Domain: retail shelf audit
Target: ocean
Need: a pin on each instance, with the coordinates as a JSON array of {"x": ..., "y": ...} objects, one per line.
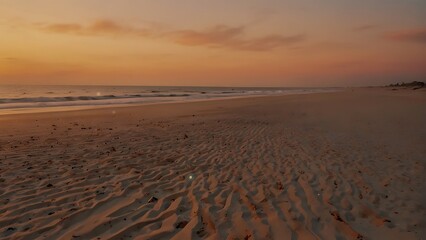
[{"x": 21, "y": 98}]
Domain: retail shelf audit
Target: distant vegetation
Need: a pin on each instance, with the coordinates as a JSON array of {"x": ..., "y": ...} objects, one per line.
[{"x": 414, "y": 85}]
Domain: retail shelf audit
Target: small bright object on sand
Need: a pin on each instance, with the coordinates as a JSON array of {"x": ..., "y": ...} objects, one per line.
[
  {"x": 191, "y": 177},
  {"x": 98, "y": 94}
]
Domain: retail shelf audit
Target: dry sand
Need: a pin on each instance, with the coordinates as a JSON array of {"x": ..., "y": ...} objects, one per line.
[{"x": 345, "y": 165}]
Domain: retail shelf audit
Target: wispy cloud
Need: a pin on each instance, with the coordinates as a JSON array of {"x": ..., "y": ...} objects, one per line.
[
  {"x": 64, "y": 28},
  {"x": 233, "y": 38},
  {"x": 100, "y": 27},
  {"x": 214, "y": 37},
  {"x": 9, "y": 59},
  {"x": 408, "y": 35},
  {"x": 220, "y": 36}
]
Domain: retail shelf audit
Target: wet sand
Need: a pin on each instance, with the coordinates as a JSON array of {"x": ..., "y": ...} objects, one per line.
[{"x": 343, "y": 165}]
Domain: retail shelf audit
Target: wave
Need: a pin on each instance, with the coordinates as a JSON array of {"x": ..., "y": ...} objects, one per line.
[
  {"x": 15, "y": 103},
  {"x": 83, "y": 98}
]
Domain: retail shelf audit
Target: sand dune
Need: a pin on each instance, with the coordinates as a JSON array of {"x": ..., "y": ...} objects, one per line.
[{"x": 346, "y": 165}]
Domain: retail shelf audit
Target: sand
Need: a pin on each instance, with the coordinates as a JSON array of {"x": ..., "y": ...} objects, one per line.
[{"x": 343, "y": 165}]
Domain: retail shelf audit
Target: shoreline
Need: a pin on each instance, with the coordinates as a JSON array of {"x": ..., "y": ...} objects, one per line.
[{"x": 51, "y": 109}]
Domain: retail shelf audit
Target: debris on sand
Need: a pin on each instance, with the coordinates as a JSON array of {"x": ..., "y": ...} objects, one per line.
[
  {"x": 182, "y": 224},
  {"x": 336, "y": 216}
]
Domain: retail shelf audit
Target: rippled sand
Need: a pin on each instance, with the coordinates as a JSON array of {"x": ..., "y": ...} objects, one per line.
[{"x": 346, "y": 165}]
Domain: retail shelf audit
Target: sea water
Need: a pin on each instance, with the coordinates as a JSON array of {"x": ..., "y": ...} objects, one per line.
[{"x": 20, "y": 98}]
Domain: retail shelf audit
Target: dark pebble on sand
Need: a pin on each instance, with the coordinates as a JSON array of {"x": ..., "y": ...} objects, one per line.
[
  {"x": 49, "y": 185},
  {"x": 336, "y": 216},
  {"x": 182, "y": 224},
  {"x": 359, "y": 237},
  {"x": 152, "y": 199}
]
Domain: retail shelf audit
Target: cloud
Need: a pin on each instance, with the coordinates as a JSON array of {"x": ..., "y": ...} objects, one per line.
[
  {"x": 219, "y": 36},
  {"x": 271, "y": 42},
  {"x": 108, "y": 26},
  {"x": 408, "y": 35},
  {"x": 9, "y": 59},
  {"x": 213, "y": 37},
  {"x": 232, "y": 37},
  {"x": 100, "y": 27},
  {"x": 64, "y": 28},
  {"x": 365, "y": 27}
]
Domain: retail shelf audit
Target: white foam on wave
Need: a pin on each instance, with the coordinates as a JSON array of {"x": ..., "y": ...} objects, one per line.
[{"x": 97, "y": 99}]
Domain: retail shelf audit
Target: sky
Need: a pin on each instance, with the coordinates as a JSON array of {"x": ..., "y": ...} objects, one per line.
[{"x": 286, "y": 43}]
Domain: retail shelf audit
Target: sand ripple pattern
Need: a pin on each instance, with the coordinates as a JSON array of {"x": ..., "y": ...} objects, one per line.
[{"x": 199, "y": 178}]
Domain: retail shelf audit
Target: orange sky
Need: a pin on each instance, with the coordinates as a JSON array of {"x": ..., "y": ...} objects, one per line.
[{"x": 215, "y": 43}]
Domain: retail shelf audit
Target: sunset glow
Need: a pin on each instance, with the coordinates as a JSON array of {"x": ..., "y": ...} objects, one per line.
[{"x": 215, "y": 43}]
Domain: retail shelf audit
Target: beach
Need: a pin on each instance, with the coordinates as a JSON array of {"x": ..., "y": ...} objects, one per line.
[{"x": 339, "y": 165}]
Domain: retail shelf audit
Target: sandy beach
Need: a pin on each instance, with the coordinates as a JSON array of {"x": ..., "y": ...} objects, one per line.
[{"x": 342, "y": 165}]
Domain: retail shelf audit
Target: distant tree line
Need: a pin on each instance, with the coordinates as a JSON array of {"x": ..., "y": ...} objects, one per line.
[{"x": 414, "y": 84}]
